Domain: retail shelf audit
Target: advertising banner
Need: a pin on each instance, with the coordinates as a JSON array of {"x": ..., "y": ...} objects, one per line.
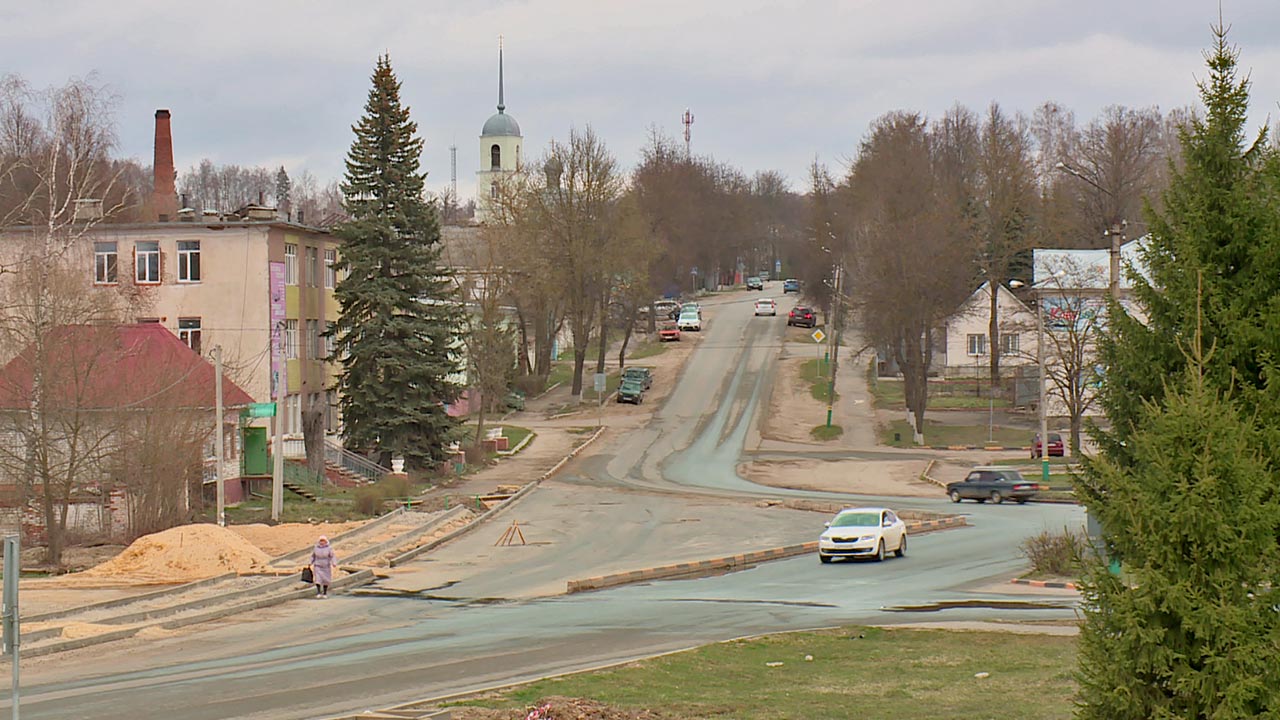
[{"x": 279, "y": 378}]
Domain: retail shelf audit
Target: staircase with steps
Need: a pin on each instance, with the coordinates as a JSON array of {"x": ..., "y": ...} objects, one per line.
[{"x": 297, "y": 489}]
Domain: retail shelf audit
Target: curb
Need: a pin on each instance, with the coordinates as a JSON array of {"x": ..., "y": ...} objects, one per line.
[
  {"x": 990, "y": 448},
  {"x": 361, "y": 578},
  {"x": 406, "y": 536},
  {"x": 1045, "y": 584},
  {"x": 486, "y": 515},
  {"x": 928, "y": 478},
  {"x": 108, "y": 604},
  {"x": 731, "y": 562},
  {"x": 376, "y": 522},
  {"x": 519, "y": 446}
]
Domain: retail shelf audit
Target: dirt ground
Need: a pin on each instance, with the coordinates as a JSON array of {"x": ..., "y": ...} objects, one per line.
[
  {"x": 792, "y": 409},
  {"x": 863, "y": 477},
  {"x": 561, "y": 708},
  {"x": 287, "y": 537}
]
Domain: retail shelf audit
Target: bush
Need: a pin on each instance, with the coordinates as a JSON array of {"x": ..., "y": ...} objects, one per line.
[
  {"x": 826, "y": 432},
  {"x": 1055, "y": 553},
  {"x": 368, "y": 500},
  {"x": 395, "y": 486}
]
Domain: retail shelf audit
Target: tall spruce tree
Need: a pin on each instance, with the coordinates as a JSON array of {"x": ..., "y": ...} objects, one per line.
[
  {"x": 397, "y": 331},
  {"x": 1185, "y": 485}
]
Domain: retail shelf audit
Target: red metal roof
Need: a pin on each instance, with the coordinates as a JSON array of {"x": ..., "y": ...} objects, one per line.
[{"x": 116, "y": 367}]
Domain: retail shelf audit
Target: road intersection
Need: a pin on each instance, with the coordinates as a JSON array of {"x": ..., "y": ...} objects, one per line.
[{"x": 470, "y": 615}]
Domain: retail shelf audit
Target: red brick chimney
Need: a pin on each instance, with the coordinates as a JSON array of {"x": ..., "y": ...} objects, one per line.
[{"x": 164, "y": 199}]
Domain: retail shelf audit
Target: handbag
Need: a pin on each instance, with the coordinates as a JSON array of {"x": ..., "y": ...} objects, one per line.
[{"x": 307, "y": 576}]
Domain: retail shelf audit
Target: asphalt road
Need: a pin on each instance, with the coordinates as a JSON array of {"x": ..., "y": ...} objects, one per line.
[{"x": 473, "y": 617}]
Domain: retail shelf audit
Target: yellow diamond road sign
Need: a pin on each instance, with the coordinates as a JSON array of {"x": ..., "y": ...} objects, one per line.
[{"x": 818, "y": 336}]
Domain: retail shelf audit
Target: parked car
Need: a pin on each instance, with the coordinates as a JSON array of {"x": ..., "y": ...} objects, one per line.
[
  {"x": 664, "y": 308},
  {"x": 755, "y": 283},
  {"x": 669, "y": 331},
  {"x": 766, "y": 306},
  {"x": 863, "y": 532},
  {"x": 515, "y": 400},
  {"x": 996, "y": 484},
  {"x": 802, "y": 316},
  {"x": 695, "y": 307},
  {"x": 689, "y": 320},
  {"x": 790, "y": 285},
  {"x": 1056, "y": 447},
  {"x": 643, "y": 374},
  {"x": 631, "y": 391}
]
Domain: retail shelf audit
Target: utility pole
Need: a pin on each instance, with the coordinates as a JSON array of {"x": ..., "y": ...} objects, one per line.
[
  {"x": 835, "y": 350},
  {"x": 217, "y": 434},
  {"x": 1116, "y": 234},
  {"x": 277, "y": 444}
]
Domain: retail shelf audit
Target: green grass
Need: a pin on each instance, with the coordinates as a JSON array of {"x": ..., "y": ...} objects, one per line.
[
  {"x": 561, "y": 372},
  {"x": 817, "y": 373},
  {"x": 936, "y": 433},
  {"x": 515, "y": 434},
  {"x": 943, "y": 395},
  {"x": 648, "y": 350},
  {"x": 826, "y": 432},
  {"x": 867, "y": 673}
]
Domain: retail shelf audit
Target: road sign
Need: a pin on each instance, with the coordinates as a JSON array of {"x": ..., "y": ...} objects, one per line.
[
  {"x": 818, "y": 336},
  {"x": 261, "y": 410},
  {"x": 600, "y": 379}
]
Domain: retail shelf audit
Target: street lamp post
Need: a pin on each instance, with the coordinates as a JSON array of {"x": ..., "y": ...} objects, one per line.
[{"x": 1038, "y": 295}]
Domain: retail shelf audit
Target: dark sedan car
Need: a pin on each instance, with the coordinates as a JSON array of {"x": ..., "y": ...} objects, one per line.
[
  {"x": 994, "y": 484},
  {"x": 802, "y": 316},
  {"x": 755, "y": 283}
]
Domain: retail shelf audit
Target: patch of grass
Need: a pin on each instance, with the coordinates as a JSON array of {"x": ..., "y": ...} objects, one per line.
[
  {"x": 611, "y": 382},
  {"x": 826, "y": 432},
  {"x": 647, "y": 350},
  {"x": 943, "y": 395},
  {"x": 514, "y": 434},
  {"x": 868, "y": 673},
  {"x": 817, "y": 373},
  {"x": 936, "y": 433},
  {"x": 561, "y": 372}
]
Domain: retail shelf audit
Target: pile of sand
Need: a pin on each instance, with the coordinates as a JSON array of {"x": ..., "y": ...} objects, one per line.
[
  {"x": 182, "y": 554},
  {"x": 276, "y": 540}
]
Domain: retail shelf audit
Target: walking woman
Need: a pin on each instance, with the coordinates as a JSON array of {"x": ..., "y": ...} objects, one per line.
[{"x": 323, "y": 561}]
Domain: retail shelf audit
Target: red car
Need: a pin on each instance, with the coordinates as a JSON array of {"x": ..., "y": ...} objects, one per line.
[
  {"x": 802, "y": 316},
  {"x": 1056, "y": 448},
  {"x": 669, "y": 332}
]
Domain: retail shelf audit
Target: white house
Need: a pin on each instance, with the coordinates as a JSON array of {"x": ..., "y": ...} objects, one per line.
[{"x": 968, "y": 348}]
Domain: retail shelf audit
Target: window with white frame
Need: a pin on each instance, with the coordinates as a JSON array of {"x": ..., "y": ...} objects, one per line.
[
  {"x": 147, "y": 262},
  {"x": 189, "y": 261},
  {"x": 291, "y": 339},
  {"x": 189, "y": 332},
  {"x": 105, "y": 257},
  {"x": 313, "y": 267},
  {"x": 330, "y": 342},
  {"x": 1009, "y": 344},
  {"x": 330, "y": 269},
  {"x": 313, "y": 339},
  {"x": 290, "y": 264},
  {"x": 977, "y": 344}
]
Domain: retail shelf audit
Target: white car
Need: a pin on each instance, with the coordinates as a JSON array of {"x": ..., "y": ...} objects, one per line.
[
  {"x": 766, "y": 306},
  {"x": 690, "y": 320},
  {"x": 863, "y": 532}
]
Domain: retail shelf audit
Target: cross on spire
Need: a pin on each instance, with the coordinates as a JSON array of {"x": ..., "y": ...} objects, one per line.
[{"x": 501, "y": 104}]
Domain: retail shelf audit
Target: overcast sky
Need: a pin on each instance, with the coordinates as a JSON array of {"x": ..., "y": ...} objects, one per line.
[{"x": 771, "y": 84}]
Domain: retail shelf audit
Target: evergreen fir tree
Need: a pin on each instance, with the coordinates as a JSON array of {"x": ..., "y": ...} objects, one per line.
[
  {"x": 1215, "y": 246},
  {"x": 1191, "y": 628},
  {"x": 397, "y": 331},
  {"x": 1185, "y": 485},
  {"x": 284, "y": 187}
]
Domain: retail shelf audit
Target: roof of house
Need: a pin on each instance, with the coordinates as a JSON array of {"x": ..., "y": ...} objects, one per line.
[
  {"x": 1087, "y": 269},
  {"x": 116, "y": 367}
]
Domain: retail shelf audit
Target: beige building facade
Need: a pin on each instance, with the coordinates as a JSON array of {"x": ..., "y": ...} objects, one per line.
[{"x": 227, "y": 283}]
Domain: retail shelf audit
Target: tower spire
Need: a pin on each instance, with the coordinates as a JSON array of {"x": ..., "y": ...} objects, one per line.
[{"x": 501, "y": 105}]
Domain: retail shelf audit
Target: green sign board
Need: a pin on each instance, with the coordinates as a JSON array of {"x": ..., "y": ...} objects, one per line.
[{"x": 261, "y": 410}]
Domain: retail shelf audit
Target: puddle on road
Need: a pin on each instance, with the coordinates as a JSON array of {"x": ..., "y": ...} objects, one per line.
[
  {"x": 983, "y": 605},
  {"x": 789, "y": 603}
]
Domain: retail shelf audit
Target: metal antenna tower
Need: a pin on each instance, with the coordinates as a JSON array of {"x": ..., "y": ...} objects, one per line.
[
  {"x": 453, "y": 171},
  {"x": 688, "y": 121}
]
